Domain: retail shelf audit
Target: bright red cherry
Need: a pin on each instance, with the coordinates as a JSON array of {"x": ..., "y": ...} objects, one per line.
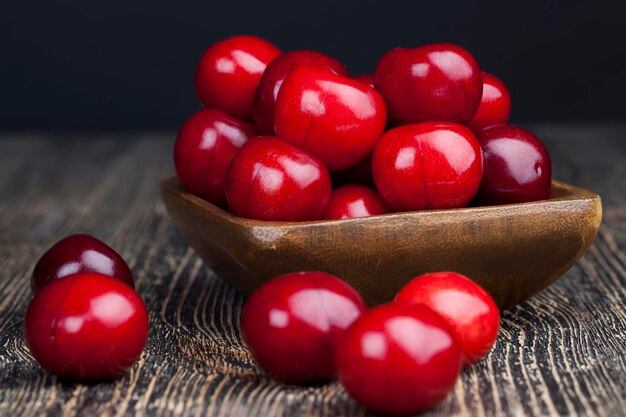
[
  {"x": 433, "y": 165},
  {"x": 86, "y": 327},
  {"x": 517, "y": 166},
  {"x": 79, "y": 253},
  {"x": 204, "y": 147},
  {"x": 495, "y": 106},
  {"x": 273, "y": 77},
  {"x": 468, "y": 309},
  {"x": 365, "y": 79},
  {"x": 351, "y": 201},
  {"x": 398, "y": 359},
  {"x": 335, "y": 118},
  {"x": 434, "y": 82},
  {"x": 229, "y": 72},
  {"x": 269, "y": 179},
  {"x": 292, "y": 323}
]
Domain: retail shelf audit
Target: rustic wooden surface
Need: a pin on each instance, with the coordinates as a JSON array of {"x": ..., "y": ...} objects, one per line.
[{"x": 561, "y": 353}]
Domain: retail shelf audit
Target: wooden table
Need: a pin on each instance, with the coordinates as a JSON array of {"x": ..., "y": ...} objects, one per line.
[{"x": 561, "y": 353}]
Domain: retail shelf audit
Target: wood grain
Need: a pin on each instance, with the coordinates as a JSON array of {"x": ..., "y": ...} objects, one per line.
[{"x": 561, "y": 353}]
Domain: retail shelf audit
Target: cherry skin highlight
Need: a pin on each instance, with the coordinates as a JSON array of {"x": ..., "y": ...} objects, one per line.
[
  {"x": 352, "y": 201},
  {"x": 269, "y": 179},
  {"x": 439, "y": 82},
  {"x": 79, "y": 253},
  {"x": 495, "y": 105},
  {"x": 468, "y": 309},
  {"x": 86, "y": 327},
  {"x": 518, "y": 168},
  {"x": 229, "y": 72},
  {"x": 291, "y": 324},
  {"x": 273, "y": 78},
  {"x": 335, "y": 118},
  {"x": 204, "y": 148},
  {"x": 431, "y": 165},
  {"x": 398, "y": 359}
]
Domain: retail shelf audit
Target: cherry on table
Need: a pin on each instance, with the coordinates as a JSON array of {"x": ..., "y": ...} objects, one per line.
[
  {"x": 468, "y": 309},
  {"x": 204, "y": 148},
  {"x": 291, "y": 324},
  {"x": 398, "y": 359},
  {"x": 86, "y": 327},
  {"x": 79, "y": 253}
]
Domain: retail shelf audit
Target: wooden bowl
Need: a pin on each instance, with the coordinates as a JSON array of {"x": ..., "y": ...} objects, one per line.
[{"x": 513, "y": 251}]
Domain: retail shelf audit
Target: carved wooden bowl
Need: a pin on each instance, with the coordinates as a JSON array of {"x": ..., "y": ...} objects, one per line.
[{"x": 513, "y": 251}]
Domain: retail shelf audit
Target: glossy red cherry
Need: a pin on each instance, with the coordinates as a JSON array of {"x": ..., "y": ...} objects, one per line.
[
  {"x": 468, "y": 309},
  {"x": 365, "y": 79},
  {"x": 86, "y": 327},
  {"x": 398, "y": 359},
  {"x": 229, "y": 72},
  {"x": 495, "y": 105},
  {"x": 352, "y": 201},
  {"x": 269, "y": 179},
  {"x": 79, "y": 253},
  {"x": 434, "y": 82},
  {"x": 333, "y": 117},
  {"x": 517, "y": 166},
  {"x": 291, "y": 324},
  {"x": 433, "y": 165},
  {"x": 204, "y": 147},
  {"x": 273, "y": 77}
]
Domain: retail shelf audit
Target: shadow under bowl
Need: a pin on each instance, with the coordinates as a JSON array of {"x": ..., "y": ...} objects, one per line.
[{"x": 513, "y": 251}]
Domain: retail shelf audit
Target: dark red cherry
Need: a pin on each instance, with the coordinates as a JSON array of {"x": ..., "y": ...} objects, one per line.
[
  {"x": 335, "y": 118},
  {"x": 361, "y": 173},
  {"x": 468, "y": 309},
  {"x": 398, "y": 359},
  {"x": 269, "y": 179},
  {"x": 365, "y": 79},
  {"x": 495, "y": 105},
  {"x": 204, "y": 147},
  {"x": 229, "y": 72},
  {"x": 86, "y": 327},
  {"x": 431, "y": 165},
  {"x": 291, "y": 324},
  {"x": 440, "y": 82},
  {"x": 79, "y": 253},
  {"x": 273, "y": 77},
  {"x": 517, "y": 166},
  {"x": 352, "y": 201}
]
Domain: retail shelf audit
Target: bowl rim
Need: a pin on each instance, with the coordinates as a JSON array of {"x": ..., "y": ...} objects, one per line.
[{"x": 570, "y": 193}]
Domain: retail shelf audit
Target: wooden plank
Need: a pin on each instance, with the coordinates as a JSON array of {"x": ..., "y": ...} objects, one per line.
[{"x": 561, "y": 353}]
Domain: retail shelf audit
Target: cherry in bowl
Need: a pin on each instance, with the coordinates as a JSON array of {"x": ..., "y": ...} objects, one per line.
[
  {"x": 352, "y": 201},
  {"x": 292, "y": 323},
  {"x": 468, "y": 309},
  {"x": 86, "y": 327},
  {"x": 79, "y": 253},
  {"x": 495, "y": 104}
]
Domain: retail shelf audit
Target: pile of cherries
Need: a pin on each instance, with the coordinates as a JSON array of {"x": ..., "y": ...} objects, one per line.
[
  {"x": 428, "y": 131},
  {"x": 398, "y": 358},
  {"x": 85, "y": 321}
]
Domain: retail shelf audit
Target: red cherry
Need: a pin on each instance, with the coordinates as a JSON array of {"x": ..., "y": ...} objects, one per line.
[
  {"x": 274, "y": 76},
  {"x": 292, "y": 323},
  {"x": 398, "y": 359},
  {"x": 86, "y": 327},
  {"x": 351, "y": 201},
  {"x": 269, "y": 179},
  {"x": 229, "y": 72},
  {"x": 333, "y": 117},
  {"x": 365, "y": 79},
  {"x": 468, "y": 309},
  {"x": 434, "y": 82},
  {"x": 204, "y": 147},
  {"x": 517, "y": 166},
  {"x": 495, "y": 106},
  {"x": 432, "y": 165},
  {"x": 79, "y": 253}
]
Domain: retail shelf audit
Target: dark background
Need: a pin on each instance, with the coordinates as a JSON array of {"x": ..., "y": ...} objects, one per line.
[{"x": 82, "y": 64}]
